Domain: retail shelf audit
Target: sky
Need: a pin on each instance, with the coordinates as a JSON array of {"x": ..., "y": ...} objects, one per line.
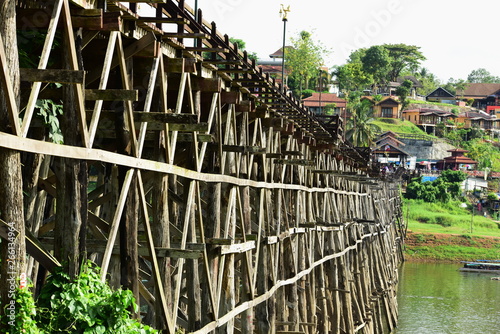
[{"x": 456, "y": 36}]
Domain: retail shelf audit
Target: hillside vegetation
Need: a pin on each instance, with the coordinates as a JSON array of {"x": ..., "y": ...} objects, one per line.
[
  {"x": 397, "y": 125},
  {"x": 446, "y": 231}
]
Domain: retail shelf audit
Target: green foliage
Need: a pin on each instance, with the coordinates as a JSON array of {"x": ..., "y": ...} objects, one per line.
[
  {"x": 86, "y": 305},
  {"x": 49, "y": 111},
  {"x": 351, "y": 77},
  {"x": 403, "y": 91},
  {"x": 396, "y": 125},
  {"x": 492, "y": 196},
  {"x": 483, "y": 152},
  {"x": 25, "y": 313},
  {"x": 403, "y": 57},
  {"x": 481, "y": 75},
  {"x": 329, "y": 108},
  {"x": 307, "y": 92},
  {"x": 376, "y": 62},
  {"x": 443, "y": 189},
  {"x": 304, "y": 59},
  {"x": 360, "y": 128}
]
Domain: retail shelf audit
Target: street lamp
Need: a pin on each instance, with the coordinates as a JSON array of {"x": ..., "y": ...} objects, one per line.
[
  {"x": 284, "y": 16},
  {"x": 196, "y": 10}
]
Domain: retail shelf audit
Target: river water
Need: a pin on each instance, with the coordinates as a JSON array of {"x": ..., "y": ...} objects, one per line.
[{"x": 437, "y": 298}]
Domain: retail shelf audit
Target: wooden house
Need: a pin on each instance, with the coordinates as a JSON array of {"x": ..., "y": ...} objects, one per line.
[
  {"x": 457, "y": 161},
  {"x": 441, "y": 95},
  {"x": 484, "y": 94},
  {"x": 428, "y": 119},
  {"x": 325, "y": 103},
  {"x": 389, "y": 107}
]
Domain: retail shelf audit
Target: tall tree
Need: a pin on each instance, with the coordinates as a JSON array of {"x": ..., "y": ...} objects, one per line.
[
  {"x": 242, "y": 46},
  {"x": 376, "y": 62},
  {"x": 304, "y": 59},
  {"x": 403, "y": 91},
  {"x": 403, "y": 57},
  {"x": 481, "y": 75},
  {"x": 12, "y": 252},
  {"x": 360, "y": 128},
  {"x": 351, "y": 77}
]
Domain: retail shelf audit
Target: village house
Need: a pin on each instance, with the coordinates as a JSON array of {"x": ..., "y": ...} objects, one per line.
[
  {"x": 427, "y": 119},
  {"x": 388, "y": 107},
  {"x": 325, "y": 103},
  {"x": 441, "y": 95},
  {"x": 480, "y": 120},
  {"x": 484, "y": 94}
]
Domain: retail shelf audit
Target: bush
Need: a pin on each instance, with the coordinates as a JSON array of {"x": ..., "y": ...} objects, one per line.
[
  {"x": 492, "y": 196},
  {"x": 444, "y": 221},
  {"x": 86, "y": 305}
]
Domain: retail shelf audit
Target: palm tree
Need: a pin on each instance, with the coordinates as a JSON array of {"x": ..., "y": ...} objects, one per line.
[{"x": 360, "y": 128}]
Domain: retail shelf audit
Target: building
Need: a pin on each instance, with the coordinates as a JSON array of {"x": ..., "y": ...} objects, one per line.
[
  {"x": 480, "y": 120},
  {"x": 457, "y": 161},
  {"x": 389, "y": 150},
  {"x": 441, "y": 95},
  {"x": 427, "y": 119},
  {"x": 325, "y": 103},
  {"x": 483, "y": 94},
  {"x": 388, "y": 107}
]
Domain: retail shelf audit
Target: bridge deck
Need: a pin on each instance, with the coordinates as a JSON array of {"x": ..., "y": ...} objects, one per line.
[{"x": 221, "y": 202}]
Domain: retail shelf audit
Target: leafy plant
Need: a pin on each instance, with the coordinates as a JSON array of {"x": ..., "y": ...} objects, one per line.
[
  {"x": 25, "y": 313},
  {"x": 86, "y": 305},
  {"x": 50, "y": 111}
]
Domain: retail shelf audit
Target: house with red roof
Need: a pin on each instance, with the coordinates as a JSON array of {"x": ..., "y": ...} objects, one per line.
[
  {"x": 457, "y": 161},
  {"x": 325, "y": 103}
]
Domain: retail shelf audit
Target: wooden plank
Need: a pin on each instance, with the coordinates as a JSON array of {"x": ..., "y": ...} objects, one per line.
[
  {"x": 52, "y": 75},
  {"x": 111, "y": 94},
  {"x": 185, "y": 35},
  {"x": 33, "y": 246},
  {"x": 102, "y": 85},
  {"x": 212, "y": 50},
  {"x": 74, "y": 65},
  {"x": 155, "y": 19},
  {"x": 8, "y": 92},
  {"x": 181, "y": 65},
  {"x": 44, "y": 58},
  {"x": 115, "y": 224}
]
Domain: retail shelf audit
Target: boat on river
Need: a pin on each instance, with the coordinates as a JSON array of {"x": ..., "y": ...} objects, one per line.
[{"x": 481, "y": 266}]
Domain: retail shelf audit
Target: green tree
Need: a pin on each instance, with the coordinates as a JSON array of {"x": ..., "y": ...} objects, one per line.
[
  {"x": 481, "y": 75},
  {"x": 304, "y": 59},
  {"x": 428, "y": 80},
  {"x": 360, "y": 128},
  {"x": 403, "y": 91},
  {"x": 242, "y": 47},
  {"x": 403, "y": 57},
  {"x": 351, "y": 77},
  {"x": 376, "y": 62}
]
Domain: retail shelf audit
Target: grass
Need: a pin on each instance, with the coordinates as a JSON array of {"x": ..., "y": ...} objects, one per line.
[
  {"x": 427, "y": 221},
  {"x": 447, "y": 218},
  {"x": 397, "y": 125}
]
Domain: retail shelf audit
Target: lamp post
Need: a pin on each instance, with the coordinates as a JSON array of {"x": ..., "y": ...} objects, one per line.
[
  {"x": 196, "y": 10},
  {"x": 284, "y": 17}
]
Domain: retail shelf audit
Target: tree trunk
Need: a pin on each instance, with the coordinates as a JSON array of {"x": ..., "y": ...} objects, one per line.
[
  {"x": 71, "y": 212},
  {"x": 11, "y": 190}
]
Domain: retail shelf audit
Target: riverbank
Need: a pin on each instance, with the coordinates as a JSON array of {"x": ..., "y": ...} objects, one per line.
[{"x": 450, "y": 247}]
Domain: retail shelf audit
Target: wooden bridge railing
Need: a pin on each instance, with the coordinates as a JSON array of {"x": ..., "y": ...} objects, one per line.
[{"x": 223, "y": 204}]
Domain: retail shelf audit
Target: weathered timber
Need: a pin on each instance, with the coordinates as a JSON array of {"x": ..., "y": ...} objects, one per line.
[{"x": 236, "y": 209}]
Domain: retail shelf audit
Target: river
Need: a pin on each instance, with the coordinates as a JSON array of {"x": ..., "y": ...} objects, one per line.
[{"x": 436, "y": 298}]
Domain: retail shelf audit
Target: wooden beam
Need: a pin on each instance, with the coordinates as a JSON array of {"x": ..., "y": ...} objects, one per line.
[
  {"x": 111, "y": 94},
  {"x": 33, "y": 246},
  {"x": 52, "y": 75}
]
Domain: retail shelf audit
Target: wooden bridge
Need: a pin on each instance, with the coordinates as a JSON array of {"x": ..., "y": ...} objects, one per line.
[{"x": 187, "y": 175}]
